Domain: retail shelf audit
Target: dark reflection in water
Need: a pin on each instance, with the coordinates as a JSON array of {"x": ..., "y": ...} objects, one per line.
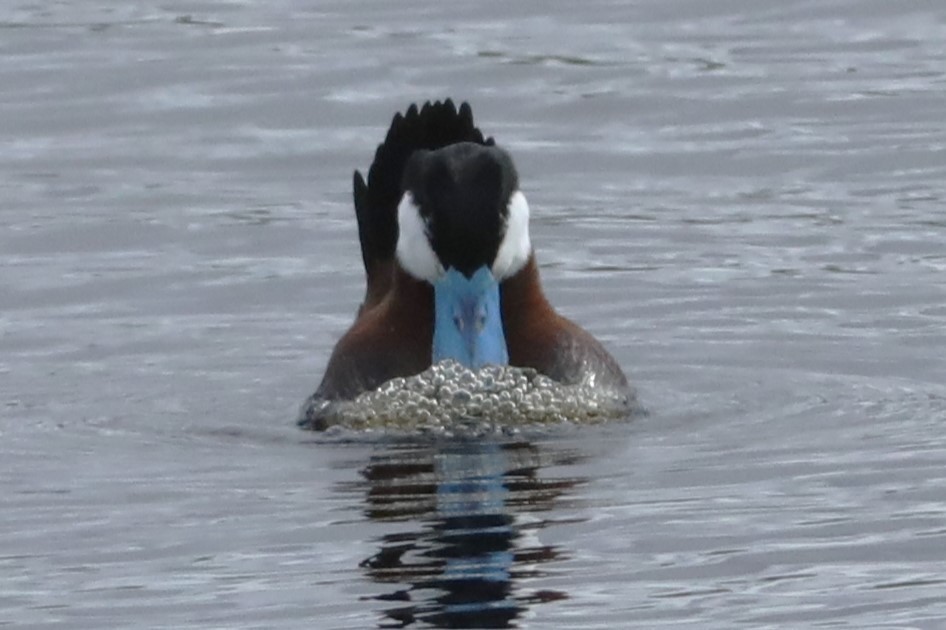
[{"x": 466, "y": 563}]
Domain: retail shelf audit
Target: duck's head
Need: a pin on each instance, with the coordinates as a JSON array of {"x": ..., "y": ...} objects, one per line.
[{"x": 464, "y": 228}]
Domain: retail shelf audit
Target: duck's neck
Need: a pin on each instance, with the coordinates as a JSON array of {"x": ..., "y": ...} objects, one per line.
[
  {"x": 411, "y": 298},
  {"x": 527, "y": 315},
  {"x": 522, "y": 292}
]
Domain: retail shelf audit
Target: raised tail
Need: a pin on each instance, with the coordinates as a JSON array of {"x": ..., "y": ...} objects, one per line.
[{"x": 435, "y": 125}]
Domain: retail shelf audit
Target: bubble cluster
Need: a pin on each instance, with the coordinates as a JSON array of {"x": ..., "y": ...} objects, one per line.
[{"x": 450, "y": 398}]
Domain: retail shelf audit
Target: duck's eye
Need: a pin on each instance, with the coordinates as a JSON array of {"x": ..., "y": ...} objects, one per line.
[{"x": 458, "y": 321}]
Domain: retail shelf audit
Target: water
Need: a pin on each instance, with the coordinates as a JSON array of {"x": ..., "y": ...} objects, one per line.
[{"x": 743, "y": 200}]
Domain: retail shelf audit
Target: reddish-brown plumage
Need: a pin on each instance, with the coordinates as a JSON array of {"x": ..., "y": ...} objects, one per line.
[
  {"x": 392, "y": 336},
  {"x": 540, "y": 338}
]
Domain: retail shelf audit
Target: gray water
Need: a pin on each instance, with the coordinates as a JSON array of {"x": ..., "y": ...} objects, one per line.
[{"x": 743, "y": 199}]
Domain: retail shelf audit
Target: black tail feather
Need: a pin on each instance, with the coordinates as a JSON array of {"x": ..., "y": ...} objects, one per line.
[{"x": 435, "y": 125}]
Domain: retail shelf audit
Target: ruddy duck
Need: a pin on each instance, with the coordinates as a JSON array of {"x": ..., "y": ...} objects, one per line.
[{"x": 451, "y": 273}]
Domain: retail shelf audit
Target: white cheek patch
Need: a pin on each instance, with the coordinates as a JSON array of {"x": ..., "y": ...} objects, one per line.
[
  {"x": 414, "y": 252},
  {"x": 516, "y": 247}
]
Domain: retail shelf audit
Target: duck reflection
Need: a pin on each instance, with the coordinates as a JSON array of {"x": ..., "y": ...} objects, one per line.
[{"x": 467, "y": 564}]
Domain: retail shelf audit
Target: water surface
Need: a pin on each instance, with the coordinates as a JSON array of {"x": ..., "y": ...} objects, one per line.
[{"x": 743, "y": 200}]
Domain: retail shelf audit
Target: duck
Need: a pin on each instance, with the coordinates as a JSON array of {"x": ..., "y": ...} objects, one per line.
[{"x": 450, "y": 269}]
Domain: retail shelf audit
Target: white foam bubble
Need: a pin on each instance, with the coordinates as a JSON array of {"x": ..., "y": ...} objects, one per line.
[{"x": 449, "y": 398}]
